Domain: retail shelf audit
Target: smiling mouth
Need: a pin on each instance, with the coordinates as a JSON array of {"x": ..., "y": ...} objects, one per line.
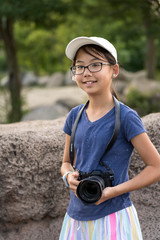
[{"x": 90, "y": 82}]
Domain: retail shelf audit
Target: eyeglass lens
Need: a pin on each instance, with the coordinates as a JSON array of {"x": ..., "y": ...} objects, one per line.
[{"x": 93, "y": 67}]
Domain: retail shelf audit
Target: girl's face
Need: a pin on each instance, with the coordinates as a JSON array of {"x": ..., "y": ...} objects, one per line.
[{"x": 97, "y": 82}]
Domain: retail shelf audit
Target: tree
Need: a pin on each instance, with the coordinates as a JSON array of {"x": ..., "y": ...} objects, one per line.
[
  {"x": 6, "y": 30},
  {"x": 151, "y": 22},
  {"x": 44, "y": 13},
  {"x": 142, "y": 16}
]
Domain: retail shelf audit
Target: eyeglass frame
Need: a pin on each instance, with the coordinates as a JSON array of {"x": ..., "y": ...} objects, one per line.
[{"x": 88, "y": 68}]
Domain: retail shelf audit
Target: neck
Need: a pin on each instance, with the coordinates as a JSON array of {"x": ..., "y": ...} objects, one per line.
[
  {"x": 99, "y": 106},
  {"x": 99, "y": 102}
]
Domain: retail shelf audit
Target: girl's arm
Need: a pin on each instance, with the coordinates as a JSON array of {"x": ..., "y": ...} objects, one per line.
[
  {"x": 150, "y": 174},
  {"x": 66, "y": 167},
  {"x": 66, "y": 164}
]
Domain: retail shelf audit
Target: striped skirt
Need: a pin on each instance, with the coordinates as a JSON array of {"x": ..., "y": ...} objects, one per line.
[{"x": 121, "y": 225}]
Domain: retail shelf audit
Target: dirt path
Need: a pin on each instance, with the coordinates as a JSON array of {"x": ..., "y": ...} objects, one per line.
[{"x": 46, "y": 96}]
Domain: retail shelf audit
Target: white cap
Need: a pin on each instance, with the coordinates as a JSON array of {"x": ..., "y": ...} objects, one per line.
[{"x": 76, "y": 43}]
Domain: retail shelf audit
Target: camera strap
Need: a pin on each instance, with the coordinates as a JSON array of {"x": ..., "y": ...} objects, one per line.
[{"x": 112, "y": 140}]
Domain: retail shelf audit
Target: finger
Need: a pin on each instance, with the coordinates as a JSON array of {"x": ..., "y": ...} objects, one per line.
[
  {"x": 97, "y": 203},
  {"x": 76, "y": 174}
]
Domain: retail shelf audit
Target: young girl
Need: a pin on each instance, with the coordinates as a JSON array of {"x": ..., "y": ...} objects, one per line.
[{"x": 113, "y": 216}]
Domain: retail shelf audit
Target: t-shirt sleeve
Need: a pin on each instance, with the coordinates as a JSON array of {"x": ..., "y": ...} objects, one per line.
[
  {"x": 68, "y": 124},
  {"x": 133, "y": 125},
  {"x": 71, "y": 119}
]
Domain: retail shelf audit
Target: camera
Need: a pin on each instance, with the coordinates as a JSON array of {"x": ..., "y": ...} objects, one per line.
[{"x": 91, "y": 185}]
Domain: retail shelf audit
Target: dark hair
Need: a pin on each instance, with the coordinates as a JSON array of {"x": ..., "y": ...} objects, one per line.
[{"x": 91, "y": 49}]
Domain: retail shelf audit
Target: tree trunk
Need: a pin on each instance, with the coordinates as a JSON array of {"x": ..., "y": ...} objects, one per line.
[
  {"x": 149, "y": 24},
  {"x": 151, "y": 58},
  {"x": 7, "y": 33}
]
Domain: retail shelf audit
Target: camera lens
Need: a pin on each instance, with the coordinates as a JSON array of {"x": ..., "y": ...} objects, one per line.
[{"x": 90, "y": 189}]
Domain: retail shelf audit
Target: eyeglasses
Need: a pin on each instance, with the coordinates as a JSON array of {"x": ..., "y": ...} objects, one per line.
[{"x": 93, "y": 67}]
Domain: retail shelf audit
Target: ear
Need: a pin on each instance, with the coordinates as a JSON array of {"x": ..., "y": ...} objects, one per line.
[
  {"x": 73, "y": 78},
  {"x": 115, "y": 70}
]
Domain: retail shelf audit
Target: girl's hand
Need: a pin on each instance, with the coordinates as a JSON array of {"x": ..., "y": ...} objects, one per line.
[
  {"x": 72, "y": 181},
  {"x": 107, "y": 193}
]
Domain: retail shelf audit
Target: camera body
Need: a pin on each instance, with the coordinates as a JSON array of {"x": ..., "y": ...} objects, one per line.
[{"x": 91, "y": 185}]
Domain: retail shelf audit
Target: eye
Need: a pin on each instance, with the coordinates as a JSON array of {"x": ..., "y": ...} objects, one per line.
[
  {"x": 96, "y": 65},
  {"x": 79, "y": 67}
]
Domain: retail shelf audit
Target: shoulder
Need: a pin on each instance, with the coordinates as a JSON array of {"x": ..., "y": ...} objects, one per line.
[
  {"x": 126, "y": 109},
  {"x": 74, "y": 112},
  {"x": 71, "y": 117},
  {"x": 128, "y": 113},
  {"x": 131, "y": 122}
]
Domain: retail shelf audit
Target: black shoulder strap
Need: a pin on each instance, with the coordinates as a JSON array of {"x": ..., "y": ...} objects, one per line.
[
  {"x": 115, "y": 132},
  {"x": 113, "y": 138},
  {"x": 117, "y": 125},
  {"x": 73, "y": 133}
]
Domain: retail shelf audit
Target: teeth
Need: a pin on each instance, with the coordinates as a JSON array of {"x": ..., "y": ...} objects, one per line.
[{"x": 89, "y": 82}]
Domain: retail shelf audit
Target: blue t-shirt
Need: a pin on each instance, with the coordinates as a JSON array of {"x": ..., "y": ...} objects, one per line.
[{"x": 91, "y": 139}]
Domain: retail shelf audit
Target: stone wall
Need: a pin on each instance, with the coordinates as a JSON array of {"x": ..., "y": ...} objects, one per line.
[
  {"x": 33, "y": 198},
  {"x": 146, "y": 200}
]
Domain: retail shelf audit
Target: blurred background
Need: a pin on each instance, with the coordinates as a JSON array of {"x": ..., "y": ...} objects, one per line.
[{"x": 35, "y": 83}]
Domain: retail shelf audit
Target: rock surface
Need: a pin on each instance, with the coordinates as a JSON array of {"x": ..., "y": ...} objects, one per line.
[
  {"x": 33, "y": 198},
  {"x": 56, "y": 80},
  {"x": 31, "y": 189},
  {"x": 48, "y": 112},
  {"x": 147, "y": 199}
]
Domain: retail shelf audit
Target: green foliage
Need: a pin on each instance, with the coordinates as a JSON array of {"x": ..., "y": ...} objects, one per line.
[
  {"x": 43, "y": 50},
  {"x": 44, "y": 27},
  {"x": 143, "y": 103},
  {"x": 51, "y": 56},
  {"x": 38, "y": 11},
  {"x": 36, "y": 48}
]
